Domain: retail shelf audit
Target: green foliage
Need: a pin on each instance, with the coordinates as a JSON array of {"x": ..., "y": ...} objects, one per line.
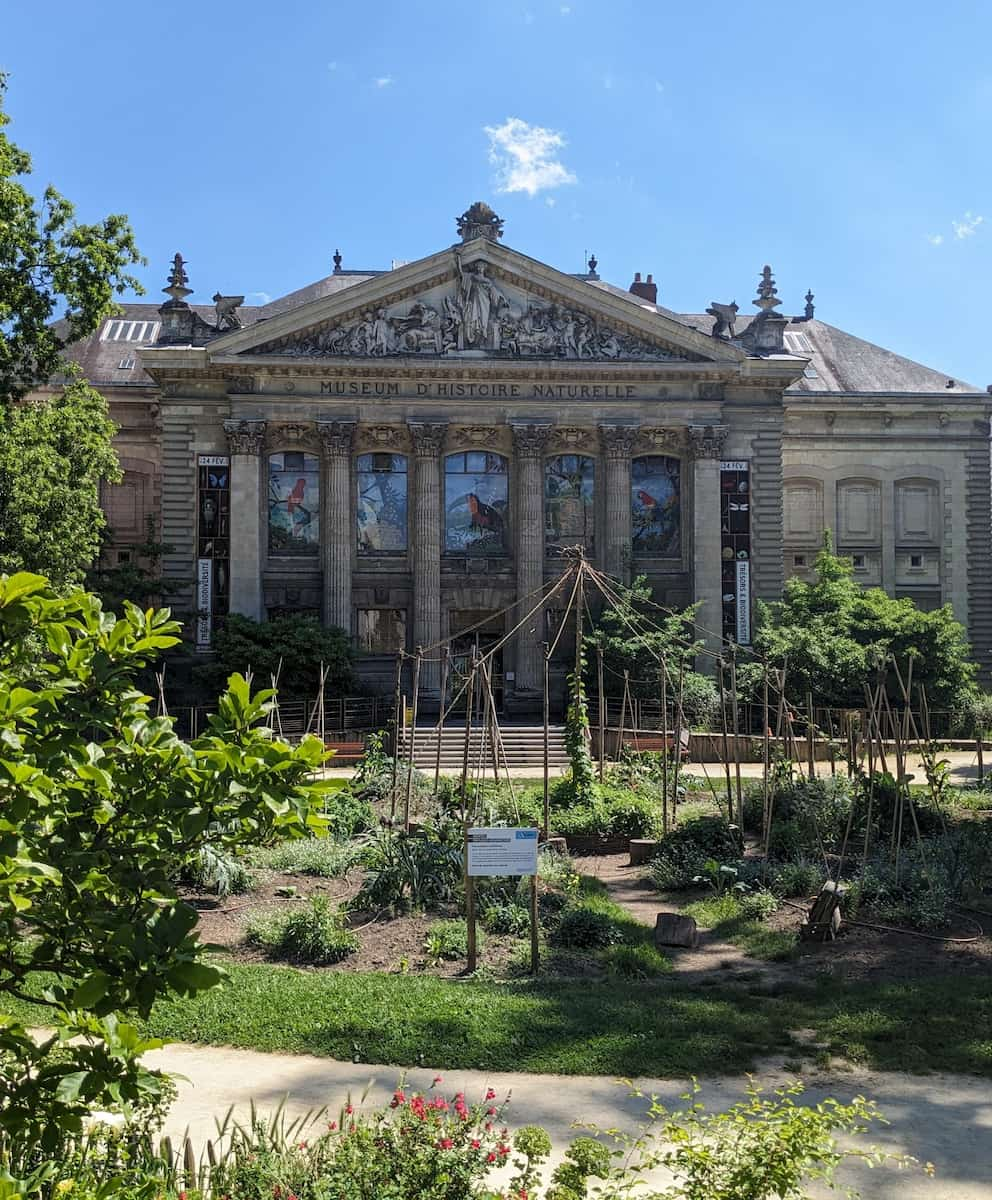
[
  {"x": 576, "y": 735},
  {"x": 404, "y": 871},
  {"x": 291, "y": 647},
  {"x": 636, "y": 962},
  {"x": 584, "y": 928},
  {"x": 99, "y": 804},
  {"x": 313, "y": 933},
  {"x": 972, "y": 716},
  {"x": 796, "y": 877},
  {"x": 834, "y": 633},
  {"x": 810, "y": 813},
  {"x": 737, "y": 916},
  {"x": 606, "y": 811},
  {"x": 506, "y": 917},
  {"x": 140, "y": 579},
  {"x": 683, "y": 854},
  {"x": 448, "y": 940},
  {"x": 216, "y": 869},
  {"x": 759, "y": 1149},
  {"x": 322, "y": 856},
  {"x": 585, "y": 1157}
]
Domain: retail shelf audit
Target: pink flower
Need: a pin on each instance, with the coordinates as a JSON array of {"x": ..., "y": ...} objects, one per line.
[
  {"x": 503, "y": 1150},
  {"x": 332, "y": 1125},
  {"x": 437, "y": 1080},
  {"x": 398, "y": 1098},
  {"x": 349, "y": 1109},
  {"x": 475, "y": 1144},
  {"x": 446, "y": 1143},
  {"x": 490, "y": 1157},
  {"x": 490, "y": 1094}
]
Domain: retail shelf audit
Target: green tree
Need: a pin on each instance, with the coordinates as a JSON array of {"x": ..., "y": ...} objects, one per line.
[
  {"x": 99, "y": 803},
  {"x": 291, "y": 647},
  {"x": 58, "y": 278},
  {"x": 834, "y": 634},
  {"x": 635, "y": 634},
  {"x": 139, "y": 579}
]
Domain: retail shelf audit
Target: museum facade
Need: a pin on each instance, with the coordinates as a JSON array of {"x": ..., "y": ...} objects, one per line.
[{"x": 411, "y": 454}]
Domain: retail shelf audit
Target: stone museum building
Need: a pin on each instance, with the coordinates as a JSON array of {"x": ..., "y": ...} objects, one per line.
[{"x": 407, "y": 453}]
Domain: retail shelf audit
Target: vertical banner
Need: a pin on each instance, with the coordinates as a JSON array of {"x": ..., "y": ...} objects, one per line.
[
  {"x": 213, "y": 544},
  {"x": 735, "y": 550},
  {"x": 204, "y": 602}
]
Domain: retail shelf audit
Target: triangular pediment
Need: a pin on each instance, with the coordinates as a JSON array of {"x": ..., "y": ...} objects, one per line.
[{"x": 477, "y": 300}]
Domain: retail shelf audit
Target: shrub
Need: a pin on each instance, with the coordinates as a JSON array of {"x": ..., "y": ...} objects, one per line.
[
  {"x": 324, "y": 857},
  {"x": 807, "y": 812},
  {"x": 636, "y": 962},
  {"x": 582, "y": 928},
  {"x": 348, "y": 813},
  {"x": 797, "y": 877},
  {"x": 448, "y": 940},
  {"x": 682, "y": 855},
  {"x": 506, "y": 917},
  {"x": 314, "y": 934},
  {"x": 215, "y": 869},
  {"x": 411, "y": 871},
  {"x": 756, "y": 906}
]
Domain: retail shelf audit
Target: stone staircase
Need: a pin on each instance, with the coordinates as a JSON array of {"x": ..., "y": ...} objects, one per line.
[{"x": 523, "y": 746}]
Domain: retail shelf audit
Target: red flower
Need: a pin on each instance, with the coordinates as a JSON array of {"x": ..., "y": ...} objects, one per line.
[
  {"x": 332, "y": 1125},
  {"x": 277, "y": 1191},
  {"x": 490, "y": 1094},
  {"x": 489, "y": 1126},
  {"x": 503, "y": 1150},
  {"x": 490, "y": 1112},
  {"x": 490, "y": 1157},
  {"x": 475, "y": 1144},
  {"x": 349, "y": 1109},
  {"x": 437, "y": 1080},
  {"x": 398, "y": 1097},
  {"x": 446, "y": 1143}
]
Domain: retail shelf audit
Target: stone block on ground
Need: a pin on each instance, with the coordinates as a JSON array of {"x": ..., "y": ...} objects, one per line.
[
  {"x": 641, "y": 850},
  {"x": 673, "y": 929},
  {"x": 556, "y": 845}
]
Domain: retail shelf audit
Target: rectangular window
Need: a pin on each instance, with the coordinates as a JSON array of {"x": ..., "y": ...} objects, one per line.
[
  {"x": 799, "y": 560},
  {"x": 858, "y": 561},
  {"x": 381, "y": 630},
  {"x": 125, "y": 364},
  {"x": 123, "y": 556},
  {"x": 916, "y": 560}
]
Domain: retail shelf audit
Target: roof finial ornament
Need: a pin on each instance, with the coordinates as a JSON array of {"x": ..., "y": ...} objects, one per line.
[
  {"x": 592, "y": 265},
  {"x": 337, "y": 262},
  {"x": 725, "y": 315},
  {"x": 479, "y": 221},
  {"x": 767, "y": 292},
  {"x": 177, "y": 291},
  {"x": 809, "y": 305}
]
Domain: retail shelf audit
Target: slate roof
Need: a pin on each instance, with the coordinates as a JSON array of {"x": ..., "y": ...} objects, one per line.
[{"x": 839, "y": 362}]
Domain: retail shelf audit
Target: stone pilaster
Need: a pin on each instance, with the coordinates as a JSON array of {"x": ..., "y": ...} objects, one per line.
[
  {"x": 618, "y": 442},
  {"x": 428, "y": 444},
  {"x": 706, "y": 448},
  {"x": 246, "y": 440},
  {"x": 529, "y": 442},
  {"x": 337, "y": 533}
]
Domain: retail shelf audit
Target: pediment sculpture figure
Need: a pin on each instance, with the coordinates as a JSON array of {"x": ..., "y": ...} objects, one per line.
[
  {"x": 726, "y": 315},
  {"x": 225, "y": 308},
  {"x": 478, "y": 305}
]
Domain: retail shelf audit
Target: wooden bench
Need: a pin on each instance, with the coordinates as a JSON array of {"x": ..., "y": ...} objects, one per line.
[
  {"x": 655, "y": 742},
  {"x": 346, "y": 754}
]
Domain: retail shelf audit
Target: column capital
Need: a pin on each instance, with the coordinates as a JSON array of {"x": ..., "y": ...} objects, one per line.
[
  {"x": 707, "y": 441},
  {"x": 428, "y": 437},
  {"x": 245, "y": 437},
  {"x": 619, "y": 440},
  {"x": 529, "y": 440},
  {"x": 336, "y": 437}
]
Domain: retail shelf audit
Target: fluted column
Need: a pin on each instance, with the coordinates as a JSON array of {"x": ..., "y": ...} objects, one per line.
[
  {"x": 706, "y": 448},
  {"x": 246, "y": 440},
  {"x": 428, "y": 443},
  {"x": 529, "y": 442},
  {"x": 618, "y": 442},
  {"x": 337, "y": 533}
]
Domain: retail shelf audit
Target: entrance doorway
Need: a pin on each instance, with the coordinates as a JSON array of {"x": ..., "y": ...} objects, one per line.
[{"x": 479, "y": 630}]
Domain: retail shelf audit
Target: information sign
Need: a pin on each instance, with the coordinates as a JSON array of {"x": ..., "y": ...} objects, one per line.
[{"x": 502, "y": 852}]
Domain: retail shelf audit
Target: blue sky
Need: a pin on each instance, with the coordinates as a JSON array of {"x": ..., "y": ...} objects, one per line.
[{"x": 848, "y": 146}]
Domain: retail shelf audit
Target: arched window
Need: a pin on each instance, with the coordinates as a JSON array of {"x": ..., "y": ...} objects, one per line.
[
  {"x": 381, "y": 514},
  {"x": 294, "y": 503},
  {"x": 475, "y": 503},
  {"x": 569, "y": 515},
  {"x": 656, "y": 507}
]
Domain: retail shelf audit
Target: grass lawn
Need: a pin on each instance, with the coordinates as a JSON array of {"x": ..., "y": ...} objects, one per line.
[
  {"x": 722, "y": 914},
  {"x": 579, "y": 1027}
]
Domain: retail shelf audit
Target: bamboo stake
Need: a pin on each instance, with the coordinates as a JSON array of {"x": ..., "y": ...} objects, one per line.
[
  {"x": 721, "y": 666},
  {"x": 602, "y": 714},
  {"x": 413, "y": 738},
  {"x": 546, "y": 809},
  {"x": 737, "y": 740},
  {"x": 664, "y": 745},
  {"x": 469, "y": 881},
  {"x": 397, "y": 716},
  {"x": 810, "y": 737},
  {"x": 766, "y": 802},
  {"x": 678, "y": 744},
  {"x": 445, "y": 665}
]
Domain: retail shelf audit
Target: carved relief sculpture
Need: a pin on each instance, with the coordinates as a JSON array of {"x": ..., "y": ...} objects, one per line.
[
  {"x": 245, "y": 437},
  {"x": 707, "y": 441},
  {"x": 226, "y": 308}
]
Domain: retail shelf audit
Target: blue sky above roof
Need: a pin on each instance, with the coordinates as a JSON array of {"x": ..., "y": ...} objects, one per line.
[{"x": 846, "y": 146}]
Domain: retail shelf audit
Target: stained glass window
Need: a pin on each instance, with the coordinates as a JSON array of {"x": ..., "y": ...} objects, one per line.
[
  {"x": 656, "y": 507},
  {"x": 569, "y": 516},
  {"x": 294, "y": 503},
  {"x": 475, "y": 503},
  {"x": 381, "y": 516}
]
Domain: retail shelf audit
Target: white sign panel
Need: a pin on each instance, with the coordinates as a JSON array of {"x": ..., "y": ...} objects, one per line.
[
  {"x": 740, "y": 464},
  {"x": 214, "y": 460},
  {"x": 204, "y": 599},
  {"x": 743, "y": 602},
  {"x": 502, "y": 852}
]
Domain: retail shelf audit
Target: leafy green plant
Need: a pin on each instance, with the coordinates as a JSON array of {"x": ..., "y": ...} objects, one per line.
[
  {"x": 410, "y": 871},
  {"x": 314, "y": 933},
  {"x": 322, "y": 856},
  {"x": 682, "y": 855},
  {"x": 582, "y": 928},
  {"x": 636, "y": 962},
  {"x": 101, "y": 802},
  {"x": 215, "y": 869},
  {"x": 448, "y": 940},
  {"x": 506, "y": 917}
]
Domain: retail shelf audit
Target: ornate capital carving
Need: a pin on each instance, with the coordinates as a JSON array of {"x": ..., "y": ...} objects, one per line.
[
  {"x": 336, "y": 437},
  {"x": 476, "y": 435},
  {"x": 530, "y": 440},
  {"x": 573, "y": 437},
  {"x": 659, "y": 439},
  {"x": 428, "y": 437},
  {"x": 240, "y": 385},
  {"x": 707, "y": 441},
  {"x": 245, "y": 437},
  {"x": 293, "y": 433},
  {"x": 381, "y": 435},
  {"x": 619, "y": 440}
]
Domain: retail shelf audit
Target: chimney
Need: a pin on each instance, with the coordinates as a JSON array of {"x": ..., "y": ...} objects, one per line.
[{"x": 648, "y": 290}]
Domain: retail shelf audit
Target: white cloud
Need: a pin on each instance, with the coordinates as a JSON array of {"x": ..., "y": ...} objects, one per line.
[
  {"x": 383, "y": 81},
  {"x": 565, "y": 9},
  {"x": 550, "y": 201},
  {"x": 935, "y": 239},
  {"x": 526, "y": 157},
  {"x": 258, "y": 298},
  {"x": 966, "y": 226}
]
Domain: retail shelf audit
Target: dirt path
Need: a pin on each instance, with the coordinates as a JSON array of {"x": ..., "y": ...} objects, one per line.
[
  {"x": 946, "y": 1119},
  {"x": 629, "y": 888}
]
